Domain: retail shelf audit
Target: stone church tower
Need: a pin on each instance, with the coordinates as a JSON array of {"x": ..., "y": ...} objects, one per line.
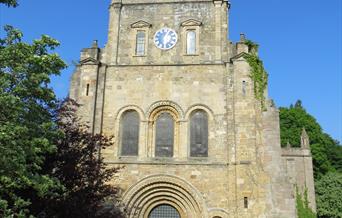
[{"x": 189, "y": 130}]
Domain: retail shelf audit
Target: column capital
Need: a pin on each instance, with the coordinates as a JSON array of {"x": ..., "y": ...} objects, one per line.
[
  {"x": 116, "y": 4},
  {"x": 218, "y": 2}
]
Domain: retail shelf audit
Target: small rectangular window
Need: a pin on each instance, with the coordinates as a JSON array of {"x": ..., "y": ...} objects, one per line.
[
  {"x": 87, "y": 90},
  {"x": 140, "y": 43},
  {"x": 191, "y": 42},
  {"x": 244, "y": 88},
  {"x": 245, "y": 202}
]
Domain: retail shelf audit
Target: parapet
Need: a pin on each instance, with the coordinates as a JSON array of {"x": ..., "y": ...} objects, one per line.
[
  {"x": 241, "y": 46},
  {"x": 90, "y": 54},
  {"x": 299, "y": 167},
  {"x": 244, "y": 46}
]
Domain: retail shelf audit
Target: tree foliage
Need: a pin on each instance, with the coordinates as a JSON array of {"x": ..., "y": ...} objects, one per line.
[
  {"x": 329, "y": 199},
  {"x": 49, "y": 163},
  {"x": 26, "y": 129},
  {"x": 77, "y": 166},
  {"x": 293, "y": 120},
  {"x": 9, "y": 3},
  {"x": 326, "y": 152}
]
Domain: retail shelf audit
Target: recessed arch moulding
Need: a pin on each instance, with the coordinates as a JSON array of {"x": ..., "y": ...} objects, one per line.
[{"x": 154, "y": 190}]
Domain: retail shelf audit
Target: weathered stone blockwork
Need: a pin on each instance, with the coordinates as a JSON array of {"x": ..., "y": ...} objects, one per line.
[{"x": 245, "y": 173}]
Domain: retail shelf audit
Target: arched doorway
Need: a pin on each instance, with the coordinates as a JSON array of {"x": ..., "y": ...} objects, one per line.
[
  {"x": 164, "y": 211},
  {"x": 163, "y": 194}
]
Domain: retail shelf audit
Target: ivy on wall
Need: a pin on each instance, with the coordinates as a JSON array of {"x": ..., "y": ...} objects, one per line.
[
  {"x": 302, "y": 205},
  {"x": 258, "y": 72},
  {"x": 252, "y": 46}
]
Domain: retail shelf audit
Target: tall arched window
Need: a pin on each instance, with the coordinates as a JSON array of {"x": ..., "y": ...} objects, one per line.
[
  {"x": 129, "y": 133},
  {"x": 164, "y": 135},
  {"x": 140, "y": 43},
  {"x": 191, "y": 42},
  {"x": 199, "y": 134}
]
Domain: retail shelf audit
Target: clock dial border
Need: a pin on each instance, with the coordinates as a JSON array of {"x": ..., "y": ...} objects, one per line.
[{"x": 155, "y": 38}]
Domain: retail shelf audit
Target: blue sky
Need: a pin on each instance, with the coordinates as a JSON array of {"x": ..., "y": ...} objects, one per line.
[{"x": 300, "y": 44}]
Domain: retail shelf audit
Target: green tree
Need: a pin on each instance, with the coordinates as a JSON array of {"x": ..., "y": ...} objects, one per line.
[
  {"x": 334, "y": 152},
  {"x": 26, "y": 127},
  {"x": 292, "y": 121},
  {"x": 329, "y": 195},
  {"x": 326, "y": 152},
  {"x": 9, "y": 3},
  {"x": 83, "y": 173}
]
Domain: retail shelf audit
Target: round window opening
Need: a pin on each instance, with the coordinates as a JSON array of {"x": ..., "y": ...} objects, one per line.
[{"x": 164, "y": 211}]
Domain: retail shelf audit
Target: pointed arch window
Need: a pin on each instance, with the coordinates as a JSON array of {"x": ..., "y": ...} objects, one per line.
[
  {"x": 199, "y": 134},
  {"x": 129, "y": 133},
  {"x": 164, "y": 135}
]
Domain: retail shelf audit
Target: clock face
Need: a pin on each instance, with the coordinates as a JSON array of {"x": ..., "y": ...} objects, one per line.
[{"x": 165, "y": 38}]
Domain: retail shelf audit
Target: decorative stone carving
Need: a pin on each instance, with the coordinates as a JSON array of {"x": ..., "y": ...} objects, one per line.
[
  {"x": 304, "y": 140},
  {"x": 143, "y": 196},
  {"x": 172, "y": 106},
  {"x": 191, "y": 22},
  {"x": 140, "y": 24},
  {"x": 130, "y": 107},
  {"x": 90, "y": 61},
  {"x": 244, "y": 159},
  {"x": 199, "y": 107}
]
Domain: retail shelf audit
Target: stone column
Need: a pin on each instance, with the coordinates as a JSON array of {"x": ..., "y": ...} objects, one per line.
[
  {"x": 224, "y": 25},
  {"x": 99, "y": 99},
  {"x": 143, "y": 143},
  {"x": 111, "y": 53},
  {"x": 279, "y": 193},
  {"x": 231, "y": 143},
  {"x": 308, "y": 169},
  {"x": 218, "y": 30},
  {"x": 183, "y": 140},
  {"x": 309, "y": 180}
]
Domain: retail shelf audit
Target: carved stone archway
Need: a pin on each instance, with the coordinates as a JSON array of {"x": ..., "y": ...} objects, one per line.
[
  {"x": 155, "y": 190},
  {"x": 162, "y": 104},
  {"x": 152, "y": 114}
]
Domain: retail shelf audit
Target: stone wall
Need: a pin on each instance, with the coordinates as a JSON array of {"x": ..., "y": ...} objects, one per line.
[
  {"x": 189, "y": 87},
  {"x": 299, "y": 168},
  {"x": 244, "y": 174},
  {"x": 152, "y": 15}
]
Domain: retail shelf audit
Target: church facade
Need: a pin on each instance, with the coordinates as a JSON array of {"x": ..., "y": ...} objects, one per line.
[{"x": 193, "y": 138}]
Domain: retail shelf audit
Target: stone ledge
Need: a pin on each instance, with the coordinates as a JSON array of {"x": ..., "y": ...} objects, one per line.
[
  {"x": 295, "y": 152},
  {"x": 163, "y": 65},
  {"x": 295, "y": 155},
  {"x": 132, "y": 2},
  {"x": 167, "y": 162}
]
